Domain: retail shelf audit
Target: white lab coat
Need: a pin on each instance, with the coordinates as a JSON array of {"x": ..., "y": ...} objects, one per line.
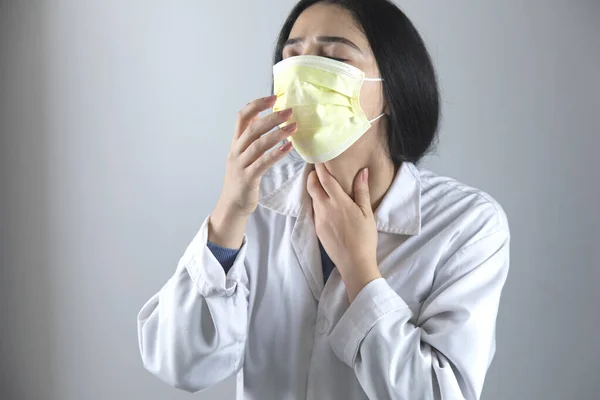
[{"x": 424, "y": 331}]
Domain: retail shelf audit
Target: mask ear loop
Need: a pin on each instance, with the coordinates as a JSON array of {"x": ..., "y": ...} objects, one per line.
[{"x": 376, "y": 118}]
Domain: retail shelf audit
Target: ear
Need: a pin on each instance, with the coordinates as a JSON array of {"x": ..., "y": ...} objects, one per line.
[{"x": 386, "y": 106}]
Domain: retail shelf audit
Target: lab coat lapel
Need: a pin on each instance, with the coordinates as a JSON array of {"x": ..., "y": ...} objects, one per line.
[
  {"x": 306, "y": 247},
  {"x": 283, "y": 190}
]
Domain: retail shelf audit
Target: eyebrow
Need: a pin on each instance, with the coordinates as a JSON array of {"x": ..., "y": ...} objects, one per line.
[{"x": 325, "y": 39}]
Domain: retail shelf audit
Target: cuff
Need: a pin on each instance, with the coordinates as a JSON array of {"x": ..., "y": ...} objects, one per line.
[
  {"x": 374, "y": 301},
  {"x": 206, "y": 271}
]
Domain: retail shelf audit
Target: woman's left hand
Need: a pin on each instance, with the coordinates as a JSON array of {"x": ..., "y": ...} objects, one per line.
[{"x": 346, "y": 227}]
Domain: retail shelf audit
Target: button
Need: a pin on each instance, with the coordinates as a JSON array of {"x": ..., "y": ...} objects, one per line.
[{"x": 322, "y": 326}]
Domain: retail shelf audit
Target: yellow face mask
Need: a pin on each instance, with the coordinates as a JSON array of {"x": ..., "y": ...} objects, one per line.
[{"x": 324, "y": 95}]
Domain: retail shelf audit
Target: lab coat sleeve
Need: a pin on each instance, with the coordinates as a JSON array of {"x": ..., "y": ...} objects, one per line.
[
  {"x": 192, "y": 333},
  {"x": 445, "y": 351}
]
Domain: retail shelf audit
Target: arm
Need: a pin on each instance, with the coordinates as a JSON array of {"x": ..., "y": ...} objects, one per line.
[
  {"x": 225, "y": 236},
  {"x": 192, "y": 333},
  {"x": 446, "y": 353}
]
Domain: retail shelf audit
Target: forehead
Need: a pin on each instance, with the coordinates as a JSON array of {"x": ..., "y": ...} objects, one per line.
[{"x": 328, "y": 20}]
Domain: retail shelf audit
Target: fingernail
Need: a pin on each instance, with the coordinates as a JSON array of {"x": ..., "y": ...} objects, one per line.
[
  {"x": 289, "y": 128},
  {"x": 365, "y": 175},
  {"x": 287, "y": 146},
  {"x": 286, "y": 113},
  {"x": 270, "y": 99}
]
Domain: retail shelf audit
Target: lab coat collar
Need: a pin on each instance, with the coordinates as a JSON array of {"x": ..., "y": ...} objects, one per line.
[{"x": 283, "y": 190}]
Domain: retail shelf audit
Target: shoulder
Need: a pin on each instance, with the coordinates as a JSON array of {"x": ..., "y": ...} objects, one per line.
[{"x": 468, "y": 213}]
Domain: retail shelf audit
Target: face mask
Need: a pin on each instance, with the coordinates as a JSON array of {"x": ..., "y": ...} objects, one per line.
[{"x": 324, "y": 95}]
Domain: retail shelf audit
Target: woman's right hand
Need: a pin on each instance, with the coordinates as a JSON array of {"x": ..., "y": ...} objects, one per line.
[{"x": 248, "y": 160}]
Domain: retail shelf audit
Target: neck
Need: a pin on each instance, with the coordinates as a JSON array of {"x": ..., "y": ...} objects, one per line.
[{"x": 381, "y": 175}]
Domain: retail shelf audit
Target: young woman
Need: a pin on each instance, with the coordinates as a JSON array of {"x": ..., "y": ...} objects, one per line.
[{"x": 339, "y": 270}]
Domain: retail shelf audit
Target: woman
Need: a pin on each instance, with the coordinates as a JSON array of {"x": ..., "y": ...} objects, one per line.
[{"x": 348, "y": 273}]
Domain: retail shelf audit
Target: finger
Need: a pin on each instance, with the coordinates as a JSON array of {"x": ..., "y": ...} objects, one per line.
[
  {"x": 362, "y": 196},
  {"x": 261, "y": 126},
  {"x": 260, "y": 146},
  {"x": 314, "y": 188},
  {"x": 260, "y": 166},
  {"x": 330, "y": 184},
  {"x": 251, "y": 111}
]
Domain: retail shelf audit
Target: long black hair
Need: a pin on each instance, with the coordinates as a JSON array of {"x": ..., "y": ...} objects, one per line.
[{"x": 410, "y": 85}]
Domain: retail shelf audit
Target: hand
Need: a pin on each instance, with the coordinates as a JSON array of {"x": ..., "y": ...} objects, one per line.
[
  {"x": 248, "y": 160},
  {"x": 346, "y": 227}
]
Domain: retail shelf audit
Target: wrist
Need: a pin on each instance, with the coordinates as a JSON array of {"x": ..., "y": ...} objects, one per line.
[
  {"x": 357, "y": 278},
  {"x": 228, "y": 213},
  {"x": 226, "y": 228}
]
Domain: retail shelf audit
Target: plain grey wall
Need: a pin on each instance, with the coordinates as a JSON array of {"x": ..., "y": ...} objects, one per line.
[{"x": 115, "y": 121}]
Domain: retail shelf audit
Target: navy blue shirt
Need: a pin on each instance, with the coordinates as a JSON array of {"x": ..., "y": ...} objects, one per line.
[{"x": 226, "y": 258}]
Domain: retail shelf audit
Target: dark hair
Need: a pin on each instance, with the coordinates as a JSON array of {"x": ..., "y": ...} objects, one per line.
[{"x": 410, "y": 86}]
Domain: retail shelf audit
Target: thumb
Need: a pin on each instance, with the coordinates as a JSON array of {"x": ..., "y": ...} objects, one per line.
[{"x": 362, "y": 197}]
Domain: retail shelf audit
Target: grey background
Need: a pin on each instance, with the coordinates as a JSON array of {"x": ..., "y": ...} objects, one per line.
[{"x": 115, "y": 121}]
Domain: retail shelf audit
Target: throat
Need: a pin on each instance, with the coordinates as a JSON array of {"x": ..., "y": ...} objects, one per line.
[{"x": 381, "y": 176}]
